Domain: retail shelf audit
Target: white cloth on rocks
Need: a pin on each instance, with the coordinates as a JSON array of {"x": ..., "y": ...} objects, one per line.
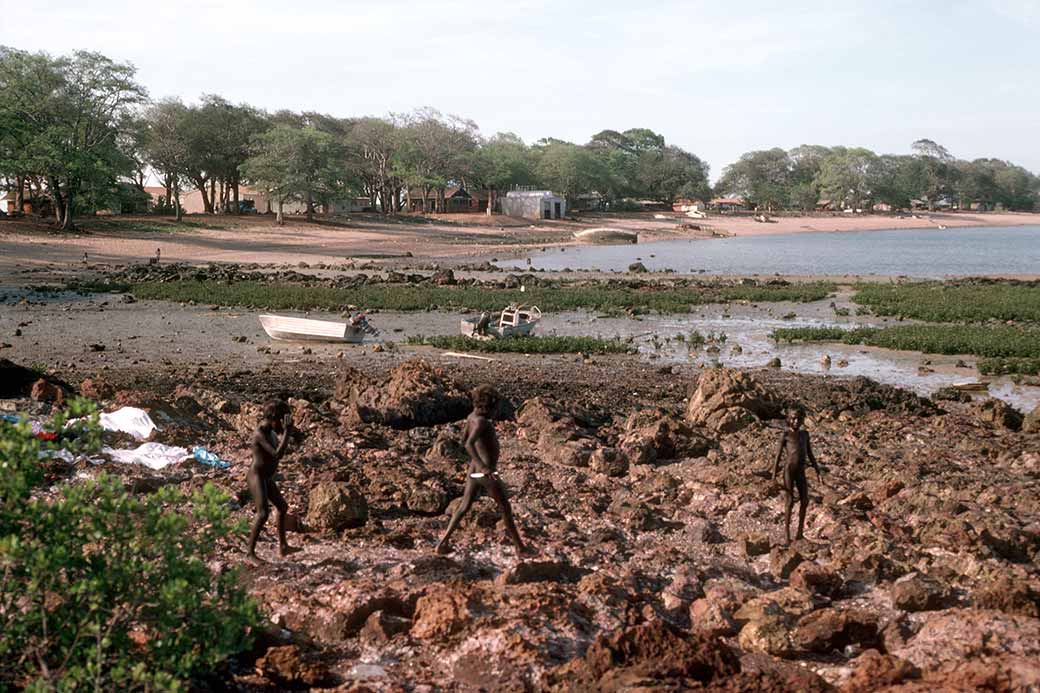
[
  {"x": 130, "y": 420},
  {"x": 151, "y": 455}
]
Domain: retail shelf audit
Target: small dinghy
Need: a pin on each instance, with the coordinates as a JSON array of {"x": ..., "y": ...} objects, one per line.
[
  {"x": 307, "y": 330},
  {"x": 606, "y": 235},
  {"x": 515, "y": 321}
]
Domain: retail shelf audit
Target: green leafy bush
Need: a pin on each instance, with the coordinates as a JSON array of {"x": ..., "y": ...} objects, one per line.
[
  {"x": 104, "y": 590},
  {"x": 1009, "y": 366},
  {"x": 527, "y": 345},
  {"x": 994, "y": 342},
  {"x": 409, "y": 297},
  {"x": 954, "y": 301}
]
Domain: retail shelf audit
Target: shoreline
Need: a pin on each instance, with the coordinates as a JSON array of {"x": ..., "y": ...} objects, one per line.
[{"x": 402, "y": 242}]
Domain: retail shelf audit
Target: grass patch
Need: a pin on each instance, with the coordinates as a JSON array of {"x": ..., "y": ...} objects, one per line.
[
  {"x": 993, "y": 342},
  {"x": 954, "y": 301},
  {"x": 527, "y": 345},
  {"x": 408, "y": 297},
  {"x": 1009, "y": 366}
]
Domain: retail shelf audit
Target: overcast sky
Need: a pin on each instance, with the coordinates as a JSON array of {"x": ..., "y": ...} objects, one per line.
[{"x": 716, "y": 78}]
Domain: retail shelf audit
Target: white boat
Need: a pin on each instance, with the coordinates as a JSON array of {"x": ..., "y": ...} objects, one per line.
[
  {"x": 515, "y": 321},
  {"x": 606, "y": 234},
  {"x": 307, "y": 330}
]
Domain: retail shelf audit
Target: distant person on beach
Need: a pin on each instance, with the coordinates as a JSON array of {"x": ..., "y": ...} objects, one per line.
[
  {"x": 795, "y": 450},
  {"x": 481, "y": 442},
  {"x": 267, "y": 450}
]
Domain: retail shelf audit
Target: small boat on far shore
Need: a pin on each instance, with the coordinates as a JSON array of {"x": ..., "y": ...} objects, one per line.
[
  {"x": 306, "y": 330},
  {"x": 606, "y": 235}
]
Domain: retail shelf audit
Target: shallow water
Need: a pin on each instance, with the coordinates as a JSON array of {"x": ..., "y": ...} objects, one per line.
[{"x": 931, "y": 253}]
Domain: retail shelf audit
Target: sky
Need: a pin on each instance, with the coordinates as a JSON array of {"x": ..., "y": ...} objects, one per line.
[{"x": 715, "y": 78}]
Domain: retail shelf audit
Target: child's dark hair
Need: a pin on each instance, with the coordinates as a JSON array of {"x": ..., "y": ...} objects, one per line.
[
  {"x": 275, "y": 409},
  {"x": 796, "y": 409},
  {"x": 484, "y": 397}
]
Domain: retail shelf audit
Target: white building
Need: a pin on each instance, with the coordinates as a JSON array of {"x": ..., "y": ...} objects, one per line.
[{"x": 534, "y": 204}]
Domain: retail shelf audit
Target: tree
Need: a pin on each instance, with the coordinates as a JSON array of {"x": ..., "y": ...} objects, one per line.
[
  {"x": 763, "y": 178},
  {"x": 437, "y": 151},
  {"x": 665, "y": 174},
  {"x": 67, "y": 116},
  {"x": 844, "y": 176},
  {"x": 167, "y": 149},
  {"x": 296, "y": 163},
  {"x": 569, "y": 169},
  {"x": 940, "y": 171},
  {"x": 374, "y": 150},
  {"x": 502, "y": 162}
]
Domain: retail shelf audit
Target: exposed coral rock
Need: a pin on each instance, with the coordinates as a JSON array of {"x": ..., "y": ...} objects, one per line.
[
  {"x": 335, "y": 506},
  {"x": 727, "y": 400}
]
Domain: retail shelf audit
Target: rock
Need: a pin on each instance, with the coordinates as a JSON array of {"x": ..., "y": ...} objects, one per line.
[
  {"x": 15, "y": 380},
  {"x": 446, "y": 448},
  {"x": 873, "y": 671},
  {"x": 608, "y": 461},
  {"x": 335, "y": 506},
  {"x": 413, "y": 394},
  {"x": 286, "y": 667},
  {"x": 956, "y": 635},
  {"x": 997, "y": 413},
  {"x": 916, "y": 592},
  {"x": 709, "y": 617},
  {"x": 443, "y": 611},
  {"x": 443, "y": 277},
  {"x": 770, "y": 634},
  {"x": 1010, "y": 595},
  {"x": 681, "y": 592},
  {"x": 380, "y": 627},
  {"x": 790, "y": 601},
  {"x": 539, "y": 571},
  {"x": 756, "y": 544},
  {"x": 816, "y": 579},
  {"x": 774, "y": 362},
  {"x": 651, "y": 656},
  {"x": 1031, "y": 421},
  {"x": 727, "y": 400},
  {"x": 830, "y": 629},
  {"x": 652, "y": 436},
  {"x": 951, "y": 394},
  {"x": 427, "y": 499},
  {"x": 783, "y": 560},
  {"x": 637, "y": 268},
  {"x": 1010, "y": 674},
  {"x": 96, "y": 389},
  {"x": 556, "y": 436},
  {"x": 46, "y": 391}
]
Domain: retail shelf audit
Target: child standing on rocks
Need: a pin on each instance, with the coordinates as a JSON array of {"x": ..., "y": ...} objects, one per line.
[
  {"x": 480, "y": 441},
  {"x": 794, "y": 441},
  {"x": 267, "y": 450}
]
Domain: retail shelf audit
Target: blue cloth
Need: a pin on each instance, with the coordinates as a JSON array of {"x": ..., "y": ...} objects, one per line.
[{"x": 206, "y": 457}]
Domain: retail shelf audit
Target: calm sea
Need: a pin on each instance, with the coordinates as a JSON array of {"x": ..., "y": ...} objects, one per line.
[{"x": 911, "y": 252}]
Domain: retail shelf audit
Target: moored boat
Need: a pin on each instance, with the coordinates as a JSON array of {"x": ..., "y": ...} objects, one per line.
[{"x": 308, "y": 330}]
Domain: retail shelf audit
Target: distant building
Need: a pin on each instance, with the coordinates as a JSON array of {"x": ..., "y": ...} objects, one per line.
[
  {"x": 457, "y": 200},
  {"x": 191, "y": 202},
  {"x": 686, "y": 205},
  {"x": 534, "y": 204},
  {"x": 587, "y": 202},
  {"x": 825, "y": 205},
  {"x": 728, "y": 204}
]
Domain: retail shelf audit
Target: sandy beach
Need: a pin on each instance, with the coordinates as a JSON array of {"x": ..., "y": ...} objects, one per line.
[{"x": 447, "y": 239}]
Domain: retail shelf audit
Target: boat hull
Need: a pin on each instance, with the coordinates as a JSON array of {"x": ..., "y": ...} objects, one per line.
[{"x": 306, "y": 330}]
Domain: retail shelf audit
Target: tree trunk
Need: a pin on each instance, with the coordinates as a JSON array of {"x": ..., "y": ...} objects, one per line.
[
  {"x": 19, "y": 196},
  {"x": 491, "y": 201},
  {"x": 279, "y": 219},
  {"x": 57, "y": 200},
  {"x": 207, "y": 202},
  {"x": 212, "y": 195},
  {"x": 310, "y": 206},
  {"x": 235, "y": 209},
  {"x": 66, "y": 224},
  {"x": 177, "y": 205}
]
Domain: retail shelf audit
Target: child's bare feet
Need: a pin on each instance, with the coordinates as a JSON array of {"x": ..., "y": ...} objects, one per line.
[
  {"x": 443, "y": 549},
  {"x": 254, "y": 560},
  {"x": 285, "y": 550}
]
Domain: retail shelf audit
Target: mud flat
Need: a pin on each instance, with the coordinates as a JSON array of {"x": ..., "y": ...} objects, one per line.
[{"x": 660, "y": 548}]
